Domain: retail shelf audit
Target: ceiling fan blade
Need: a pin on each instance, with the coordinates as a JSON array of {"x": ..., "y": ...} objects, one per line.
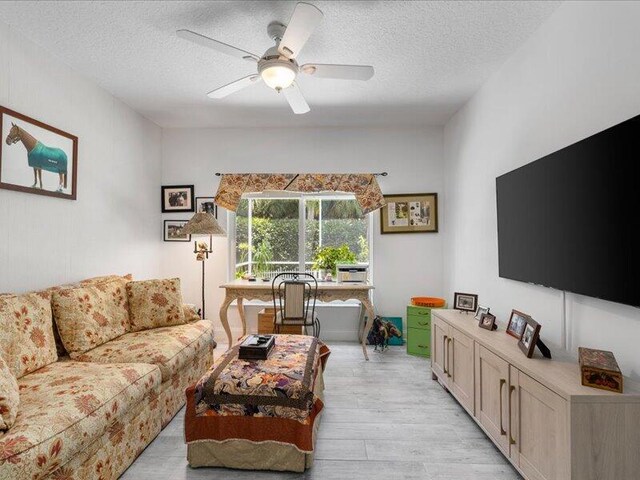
[
  {"x": 296, "y": 101},
  {"x": 303, "y": 22},
  {"x": 234, "y": 86},
  {"x": 216, "y": 45},
  {"x": 343, "y": 72}
]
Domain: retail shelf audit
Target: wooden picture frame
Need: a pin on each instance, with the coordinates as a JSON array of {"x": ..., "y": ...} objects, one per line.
[
  {"x": 529, "y": 339},
  {"x": 171, "y": 235},
  {"x": 177, "y": 198},
  {"x": 517, "y": 322},
  {"x": 409, "y": 213},
  {"x": 29, "y": 144},
  {"x": 480, "y": 311},
  {"x": 207, "y": 205},
  {"x": 467, "y": 302},
  {"x": 487, "y": 321}
]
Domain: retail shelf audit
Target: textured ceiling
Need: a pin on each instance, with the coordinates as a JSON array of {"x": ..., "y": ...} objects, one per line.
[{"x": 429, "y": 57}]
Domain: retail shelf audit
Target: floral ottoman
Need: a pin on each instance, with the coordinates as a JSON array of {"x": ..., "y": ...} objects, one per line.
[{"x": 258, "y": 414}]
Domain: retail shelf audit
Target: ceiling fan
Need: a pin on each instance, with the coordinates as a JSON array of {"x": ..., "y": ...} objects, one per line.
[{"x": 278, "y": 66}]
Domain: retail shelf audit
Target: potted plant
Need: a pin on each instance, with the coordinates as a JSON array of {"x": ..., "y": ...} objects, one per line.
[
  {"x": 262, "y": 257},
  {"x": 327, "y": 258}
]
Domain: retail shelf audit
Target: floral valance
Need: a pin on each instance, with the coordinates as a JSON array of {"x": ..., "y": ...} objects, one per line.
[{"x": 363, "y": 185}]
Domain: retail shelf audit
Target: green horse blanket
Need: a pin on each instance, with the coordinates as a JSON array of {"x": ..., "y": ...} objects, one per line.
[{"x": 48, "y": 158}]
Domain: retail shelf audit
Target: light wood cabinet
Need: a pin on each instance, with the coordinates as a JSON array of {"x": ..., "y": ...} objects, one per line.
[
  {"x": 535, "y": 410},
  {"x": 492, "y": 387},
  {"x": 460, "y": 366},
  {"x": 539, "y": 435}
]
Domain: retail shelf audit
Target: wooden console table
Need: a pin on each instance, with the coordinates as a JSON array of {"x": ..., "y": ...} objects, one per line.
[
  {"x": 535, "y": 410},
  {"x": 241, "y": 290}
]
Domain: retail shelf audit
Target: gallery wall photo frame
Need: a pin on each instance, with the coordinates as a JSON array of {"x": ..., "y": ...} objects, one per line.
[
  {"x": 177, "y": 198},
  {"x": 207, "y": 205},
  {"x": 409, "y": 213},
  {"x": 36, "y": 157},
  {"x": 171, "y": 231}
]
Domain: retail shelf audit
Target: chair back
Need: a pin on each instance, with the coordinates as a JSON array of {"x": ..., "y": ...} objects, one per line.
[{"x": 294, "y": 296}]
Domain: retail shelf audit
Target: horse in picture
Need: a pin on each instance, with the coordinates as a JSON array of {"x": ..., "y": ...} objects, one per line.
[{"x": 40, "y": 157}]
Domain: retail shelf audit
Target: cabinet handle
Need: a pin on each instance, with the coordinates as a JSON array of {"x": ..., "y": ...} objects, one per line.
[
  {"x": 445, "y": 355},
  {"x": 502, "y": 384},
  {"x": 423, "y": 324},
  {"x": 512, "y": 389},
  {"x": 448, "y": 357},
  {"x": 423, "y": 346}
]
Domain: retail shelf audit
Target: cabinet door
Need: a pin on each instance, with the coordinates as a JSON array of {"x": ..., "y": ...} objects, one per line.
[
  {"x": 540, "y": 446},
  {"x": 461, "y": 368},
  {"x": 439, "y": 339},
  {"x": 492, "y": 387}
]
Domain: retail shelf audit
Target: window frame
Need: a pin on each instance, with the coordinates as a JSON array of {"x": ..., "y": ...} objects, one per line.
[{"x": 231, "y": 224}]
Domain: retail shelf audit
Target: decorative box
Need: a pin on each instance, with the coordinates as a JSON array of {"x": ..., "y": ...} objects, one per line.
[
  {"x": 256, "y": 347},
  {"x": 599, "y": 369}
]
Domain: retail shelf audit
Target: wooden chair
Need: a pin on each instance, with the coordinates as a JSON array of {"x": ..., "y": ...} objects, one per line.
[{"x": 294, "y": 301}]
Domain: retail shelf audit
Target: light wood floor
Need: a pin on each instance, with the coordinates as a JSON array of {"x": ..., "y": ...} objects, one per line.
[{"x": 384, "y": 419}]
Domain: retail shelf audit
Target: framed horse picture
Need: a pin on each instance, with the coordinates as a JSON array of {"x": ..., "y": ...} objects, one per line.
[{"x": 36, "y": 157}]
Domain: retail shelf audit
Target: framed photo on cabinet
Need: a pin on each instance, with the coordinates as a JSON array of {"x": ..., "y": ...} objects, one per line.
[{"x": 410, "y": 213}]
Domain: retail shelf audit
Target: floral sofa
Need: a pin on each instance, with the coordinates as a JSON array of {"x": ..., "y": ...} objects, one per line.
[{"x": 98, "y": 369}]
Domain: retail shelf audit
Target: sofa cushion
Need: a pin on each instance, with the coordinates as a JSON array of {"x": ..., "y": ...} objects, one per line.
[
  {"x": 155, "y": 303},
  {"x": 67, "y": 405},
  {"x": 26, "y": 332},
  {"x": 88, "y": 281},
  {"x": 9, "y": 397},
  {"x": 190, "y": 313},
  {"x": 91, "y": 315},
  {"x": 170, "y": 348}
]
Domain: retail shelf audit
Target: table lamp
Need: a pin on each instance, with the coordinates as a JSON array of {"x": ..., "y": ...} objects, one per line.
[{"x": 202, "y": 224}]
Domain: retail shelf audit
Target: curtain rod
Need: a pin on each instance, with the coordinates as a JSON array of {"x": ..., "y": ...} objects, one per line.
[{"x": 381, "y": 174}]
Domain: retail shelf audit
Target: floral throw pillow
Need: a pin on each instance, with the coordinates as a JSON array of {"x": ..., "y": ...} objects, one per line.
[
  {"x": 155, "y": 303},
  {"x": 26, "y": 332},
  {"x": 9, "y": 397},
  {"x": 91, "y": 315},
  {"x": 190, "y": 313}
]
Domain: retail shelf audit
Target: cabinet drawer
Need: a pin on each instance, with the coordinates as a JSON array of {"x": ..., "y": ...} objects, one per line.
[
  {"x": 419, "y": 342},
  {"x": 419, "y": 321},
  {"x": 419, "y": 311}
]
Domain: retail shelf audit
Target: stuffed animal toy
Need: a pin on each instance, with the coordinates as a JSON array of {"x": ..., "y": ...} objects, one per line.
[{"x": 380, "y": 333}]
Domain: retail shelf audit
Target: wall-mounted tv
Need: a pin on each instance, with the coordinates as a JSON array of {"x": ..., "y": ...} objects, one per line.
[{"x": 570, "y": 220}]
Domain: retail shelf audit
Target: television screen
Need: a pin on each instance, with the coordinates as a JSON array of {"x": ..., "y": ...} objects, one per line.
[{"x": 569, "y": 220}]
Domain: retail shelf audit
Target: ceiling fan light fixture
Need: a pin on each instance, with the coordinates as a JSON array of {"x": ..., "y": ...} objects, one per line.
[{"x": 278, "y": 75}]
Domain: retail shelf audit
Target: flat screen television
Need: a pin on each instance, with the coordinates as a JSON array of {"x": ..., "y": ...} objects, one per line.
[{"x": 570, "y": 219}]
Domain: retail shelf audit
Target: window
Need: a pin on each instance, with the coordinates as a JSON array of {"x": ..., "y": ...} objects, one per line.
[{"x": 276, "y": 234}]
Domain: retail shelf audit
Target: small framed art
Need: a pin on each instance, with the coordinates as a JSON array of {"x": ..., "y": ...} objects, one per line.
[
  {"x": 466, "y": 302},
  {"x": 527, "y": 342},
  {"x": 481, "y": 311},
  {"x": 206, "y": 205},
  {"x": 410, "y": 213},
  {"x": 177, "y": 198},
  {"x": 173, "y": 231},
  {"x": 517, "y": 322},
  {"x": 487, "y": 321}
]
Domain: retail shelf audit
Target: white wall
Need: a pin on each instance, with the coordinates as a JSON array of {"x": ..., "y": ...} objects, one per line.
[
  {"x": 404, "y": 265},
  {"x": 114, "y": 226},
  {"x": 577, "y": 75}
]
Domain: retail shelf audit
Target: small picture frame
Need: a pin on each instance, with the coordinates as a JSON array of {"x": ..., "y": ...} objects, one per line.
[
  {"x": 487, "y": 321},
  {"x": 172, "y": 231},
  {"x": 206, "y": 205},
  {"x": 517, "y": 322},
  {"x": 467, "y": 302},
  {"x": 177, "y": 198},
  {"x": 481, "y": 311},
  {"x": 530, "y": 335}
]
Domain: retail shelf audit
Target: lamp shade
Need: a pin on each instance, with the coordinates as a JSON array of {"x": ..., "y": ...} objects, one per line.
[{"x": 203, "y": 224}]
